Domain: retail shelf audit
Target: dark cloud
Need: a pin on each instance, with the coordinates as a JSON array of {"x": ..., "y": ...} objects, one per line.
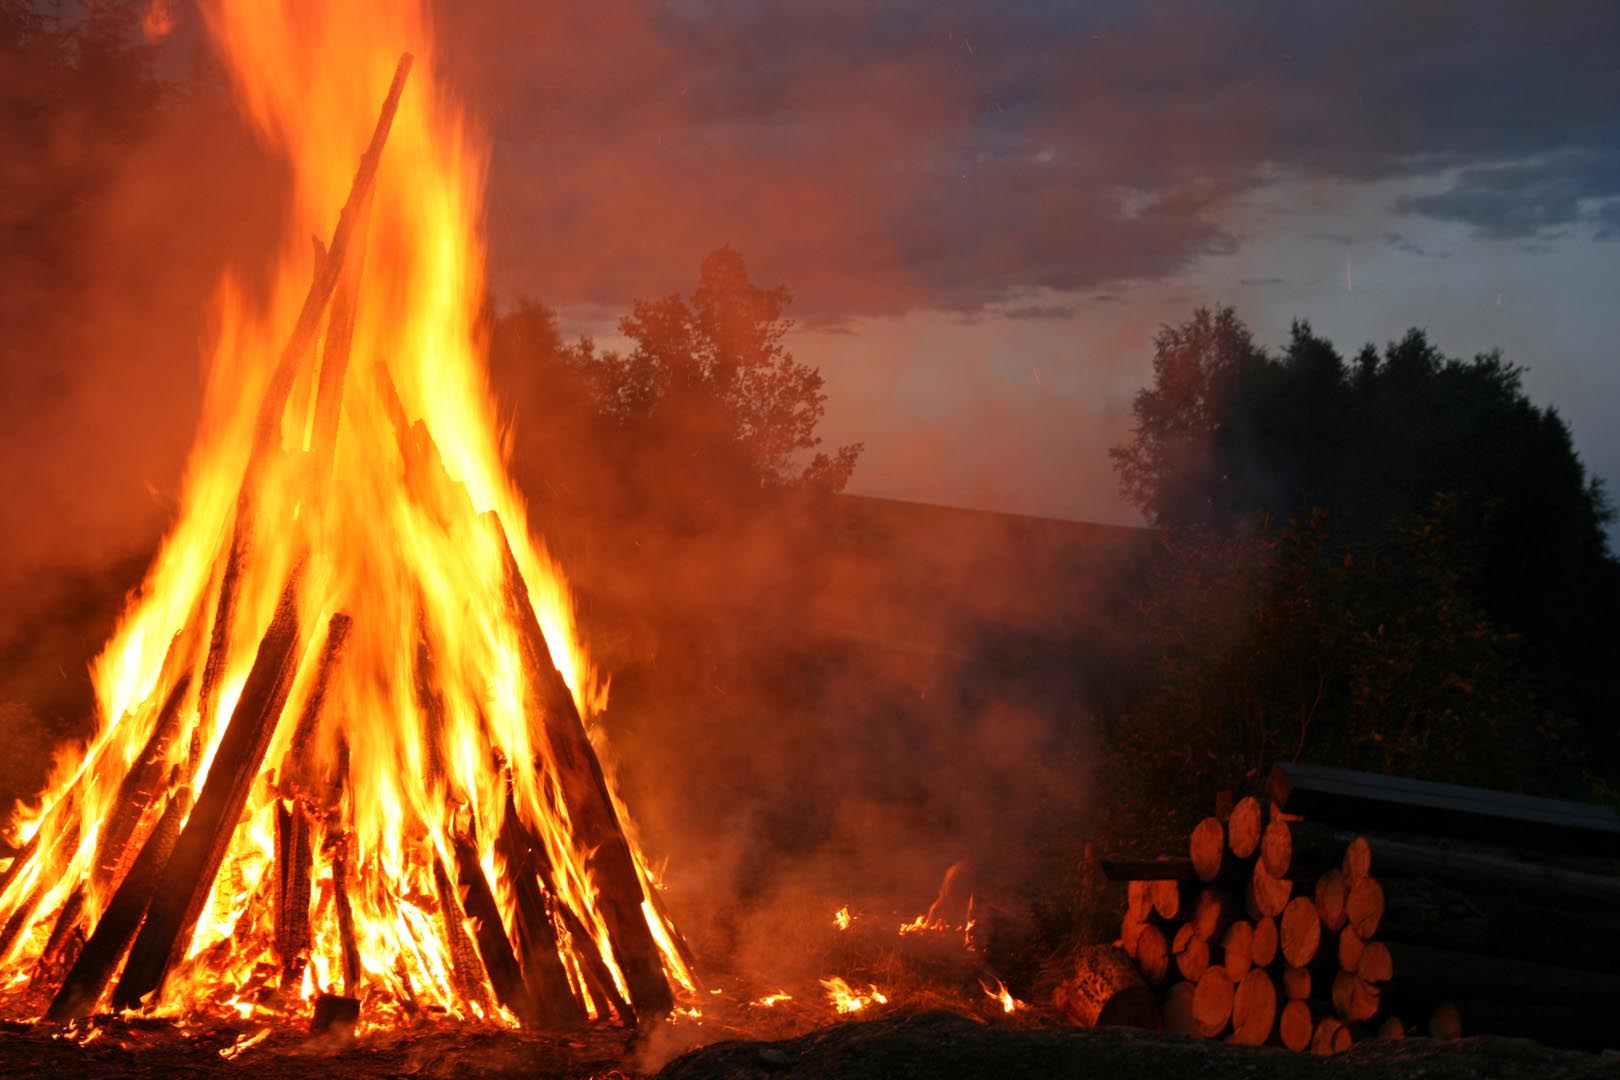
[
  {"x": 880, "y": 158},
  {"x": 1260, "y": 282},
  {"x": 1527, "y": 200},
  {"x": 1039, "y": 311},
  {"x": 1404, "y": 245}
]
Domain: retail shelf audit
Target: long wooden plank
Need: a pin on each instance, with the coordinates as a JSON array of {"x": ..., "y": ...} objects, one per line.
[
  {"x": 189, "y": 876},
  {"x": 590, "y": 807},
  {"x": 1371, "y": 801},
  {"x": 1394, "y": 859}
]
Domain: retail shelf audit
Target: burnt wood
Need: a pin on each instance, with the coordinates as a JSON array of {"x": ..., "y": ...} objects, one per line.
[
  {"x": 87, "y": 979},
  {"x": 189, "y": 876},
  {"x": 329, "y": 269},
  {"x": 140, "y": 788},
  {"x": 590, "y": 806},
  {"x": 535, "y": 937},
  {"x": 466, "y": 966},
  {"x": 505, "y": 975}
]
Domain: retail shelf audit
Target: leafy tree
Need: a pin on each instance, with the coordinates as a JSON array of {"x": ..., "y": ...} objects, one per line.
[
  {"x": 713, "y": 368},
  {"x": 1228, "y": 433},
  {"x": 1286, "y": 642}
]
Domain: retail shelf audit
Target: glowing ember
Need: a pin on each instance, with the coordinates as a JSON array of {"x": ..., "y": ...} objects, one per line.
[
  {"x": 999, "y": 992},
  {"x": 772, "y": 999},
  {"x": 411, "y": 781},
  {"x": 842, "y": 918},
  {"x": 846, "y": 999}
]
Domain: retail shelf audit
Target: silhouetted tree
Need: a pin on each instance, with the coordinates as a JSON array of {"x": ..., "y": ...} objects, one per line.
[
  {"x": 1228, "y": 433},
  {"x": 711, "y": 371},
  {"x": 706, "y": 408}
]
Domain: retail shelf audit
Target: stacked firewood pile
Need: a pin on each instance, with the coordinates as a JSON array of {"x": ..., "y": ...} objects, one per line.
[{"x": 1288, "y": 924}]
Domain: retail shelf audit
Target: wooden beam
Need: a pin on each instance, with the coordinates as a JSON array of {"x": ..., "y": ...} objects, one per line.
[
  {"x": 1398, "y": 859},
  {"x": 1375, "y": 802},
  {"x": 494, "y": 947}
]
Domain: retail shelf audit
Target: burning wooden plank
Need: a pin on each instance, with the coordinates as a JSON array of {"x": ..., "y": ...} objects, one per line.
[
  {"x": 189, "y": 875},
  {"x": 591, "y": 811}
]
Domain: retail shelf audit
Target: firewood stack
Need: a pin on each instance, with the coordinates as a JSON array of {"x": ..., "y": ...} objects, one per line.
[{"x": 1459, "y": 909}]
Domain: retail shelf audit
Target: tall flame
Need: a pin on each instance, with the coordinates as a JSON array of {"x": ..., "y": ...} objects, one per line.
[{"x": 427, "y": 707}]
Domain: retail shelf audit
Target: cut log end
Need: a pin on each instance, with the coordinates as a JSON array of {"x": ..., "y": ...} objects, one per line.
[
  {"x": 1277, "y": 848},
  {"x": 1243, "y": 827},
  {"x": 1263, "y": 947},
  {"x": 1105, "y": 990},
  {"x": 1295, "y": 1026},
  {"x": 1301, "y": 932},
  {"x": 1207, "y": 846},
  {"x": 1153, "y": 955},
  {"x": 1357, "y": 861},
  {"x": 1254, "y": 1008},
  {"x": 1237, "y": 947},
  {"x": 1212, "y": 1002}
]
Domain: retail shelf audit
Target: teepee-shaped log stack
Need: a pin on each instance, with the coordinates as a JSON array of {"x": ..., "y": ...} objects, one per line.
[{"x": 547, "y": 942}]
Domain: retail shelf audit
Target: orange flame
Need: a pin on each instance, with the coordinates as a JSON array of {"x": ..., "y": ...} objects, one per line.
[
  {"x": 999, "y": 993},
  {"x": 846, "y": 999},
  {"x": 424, "y": 735}
]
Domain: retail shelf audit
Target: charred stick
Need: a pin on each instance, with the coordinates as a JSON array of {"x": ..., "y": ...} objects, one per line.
[
  {"x": 140, "y": 788},
  {"x": 61, "y": 948},
  {"x": 590, "y": 805},
  {"x": 328, "y": 270},
  {"x": 505, "y": 976},
  {"x": 295, "y": 866},
  {"x": 335, "y": 354},
  {"x": 189, "y": 876},
  {"x": 466, "y": 967},
  {"x": 431, "y": 701},
  {"x": 345, "y": 919},
  {"x": 219, "y": 636},
  {"x": 296, "y": 765},
  {"x": 87, "y": 980},
  {"x": 536, "y": 937}
]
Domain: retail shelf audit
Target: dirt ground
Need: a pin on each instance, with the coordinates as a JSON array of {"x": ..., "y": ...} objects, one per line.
[{"x": 937, "y": 1045}]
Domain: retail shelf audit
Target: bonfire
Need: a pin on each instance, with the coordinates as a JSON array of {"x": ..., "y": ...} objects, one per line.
[{"x": 343, "y": 752}]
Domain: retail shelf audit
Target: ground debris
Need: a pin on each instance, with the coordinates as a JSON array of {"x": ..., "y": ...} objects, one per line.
[
  {"x": 944, "y": 1046},
  {"x": 139, "y": 1048}
]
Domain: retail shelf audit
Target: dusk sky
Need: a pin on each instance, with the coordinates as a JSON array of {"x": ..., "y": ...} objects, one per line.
[{"x": 985, "y": 210}]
